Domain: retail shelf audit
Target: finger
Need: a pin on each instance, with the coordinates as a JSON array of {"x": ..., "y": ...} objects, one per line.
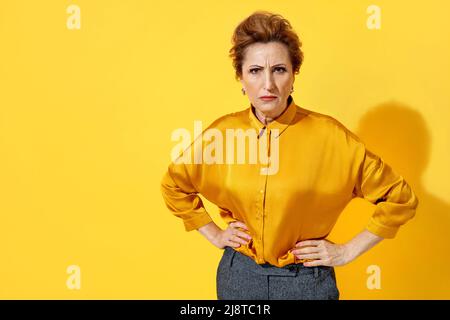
[
  {"x": 240, "y": 224},
  {"x": 311, "y": 256},
  {"x": 233, "y": 244},
  {"x": 244, "y": 235},
  {"x": 313, "y": 263},
  {"x": 236, "y": 232},
  {"x": 239, "y": 240},
  {"x": 307, "y": 243},
  {"x": 306, "y": 250}
]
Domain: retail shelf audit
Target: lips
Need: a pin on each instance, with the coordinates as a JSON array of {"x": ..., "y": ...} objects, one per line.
[{"x": 268, "y": 98}]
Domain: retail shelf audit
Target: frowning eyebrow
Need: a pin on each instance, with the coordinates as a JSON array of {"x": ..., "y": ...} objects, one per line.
[{"x": 275, "y": 65}]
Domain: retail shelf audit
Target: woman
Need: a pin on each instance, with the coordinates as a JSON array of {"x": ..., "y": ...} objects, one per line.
[{"x": 278, "y": 218}]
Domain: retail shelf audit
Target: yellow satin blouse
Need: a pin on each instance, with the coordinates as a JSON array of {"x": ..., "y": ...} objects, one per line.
[{"x": 320, "y": 166}]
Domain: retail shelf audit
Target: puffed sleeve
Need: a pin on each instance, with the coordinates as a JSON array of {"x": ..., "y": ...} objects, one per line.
[
  {"x": 378, "y": 183},
  {"x": 180, "y": 187},
  {"x": 182, "y": 199}
]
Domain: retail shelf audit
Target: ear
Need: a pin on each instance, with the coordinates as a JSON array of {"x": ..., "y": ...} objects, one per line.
[{"x": 242, "y": 83}]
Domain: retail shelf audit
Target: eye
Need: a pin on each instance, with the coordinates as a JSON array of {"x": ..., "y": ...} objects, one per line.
[
  {"x": 281, "y": 68},
  {"x": 278, "y": 69}
]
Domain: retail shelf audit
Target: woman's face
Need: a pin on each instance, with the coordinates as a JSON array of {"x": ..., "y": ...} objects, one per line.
[{"x": 267, "y": 71}]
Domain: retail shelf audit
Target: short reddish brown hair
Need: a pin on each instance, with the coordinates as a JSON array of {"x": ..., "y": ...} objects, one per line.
[{"x": 264, "y": 26}]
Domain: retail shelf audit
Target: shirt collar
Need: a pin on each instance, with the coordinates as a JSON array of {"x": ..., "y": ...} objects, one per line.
[{"x": 280, "y": 123}]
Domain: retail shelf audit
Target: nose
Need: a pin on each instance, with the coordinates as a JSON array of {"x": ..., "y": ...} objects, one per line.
[{"x": 268, "y": 81}]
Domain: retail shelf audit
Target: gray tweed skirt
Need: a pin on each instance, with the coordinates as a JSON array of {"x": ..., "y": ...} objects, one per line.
[{"x": 239, "y": 277}]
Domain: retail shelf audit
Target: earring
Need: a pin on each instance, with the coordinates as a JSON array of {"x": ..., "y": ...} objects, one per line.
[{"x": 243, "y": 91}]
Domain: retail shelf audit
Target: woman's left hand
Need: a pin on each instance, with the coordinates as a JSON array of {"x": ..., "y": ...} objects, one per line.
[{"x": 322, "y": 253}]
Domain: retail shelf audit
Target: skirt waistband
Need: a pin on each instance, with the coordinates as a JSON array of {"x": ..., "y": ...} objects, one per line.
[{"x": 290, "y": 270}]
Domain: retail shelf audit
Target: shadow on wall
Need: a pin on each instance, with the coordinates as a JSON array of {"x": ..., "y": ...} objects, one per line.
[{"x": 421, "y": 250}]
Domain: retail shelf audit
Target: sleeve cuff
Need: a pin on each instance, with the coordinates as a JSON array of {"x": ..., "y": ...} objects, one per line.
[
  {"x": 197, "y": 222},
  {"x": 383, "y": 231}
]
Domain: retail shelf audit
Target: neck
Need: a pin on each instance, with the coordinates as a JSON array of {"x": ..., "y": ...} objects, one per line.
[{"x": 265, "y": 118}]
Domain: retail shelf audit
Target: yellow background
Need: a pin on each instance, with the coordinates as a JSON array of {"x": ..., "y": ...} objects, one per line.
[{"x": 86, "y": 118}]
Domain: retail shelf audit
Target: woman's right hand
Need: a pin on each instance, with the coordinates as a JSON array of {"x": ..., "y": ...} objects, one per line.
[{"x": 232, "y": 236}]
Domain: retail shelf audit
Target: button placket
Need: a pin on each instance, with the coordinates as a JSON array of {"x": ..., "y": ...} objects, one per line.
[
  {"x": 264, "y": 189},
  {"x": 259, "y": 206}
]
